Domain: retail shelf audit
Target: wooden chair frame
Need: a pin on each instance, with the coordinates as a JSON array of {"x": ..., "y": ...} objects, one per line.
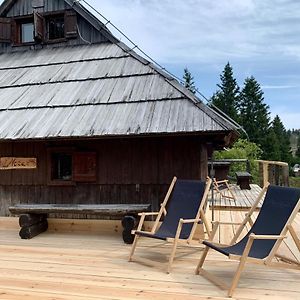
[
  {"x": 268, "y": 261},
  {"x": 200, "y": 216},
  {"x": 216, "y": 185}
]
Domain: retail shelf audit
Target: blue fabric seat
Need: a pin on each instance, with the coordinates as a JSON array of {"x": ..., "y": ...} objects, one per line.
[
  {"x": 277, "y": 207},
  {"x": 274, "y": 221},
  {"x": 181, "y": 211},
  {"x": 184, "y": 204}
]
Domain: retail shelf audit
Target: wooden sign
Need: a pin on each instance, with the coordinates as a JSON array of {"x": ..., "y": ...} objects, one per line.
[{"x": 16, "y": 163}]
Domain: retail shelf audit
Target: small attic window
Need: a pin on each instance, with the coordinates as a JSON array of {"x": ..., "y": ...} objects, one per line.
[
  {"x": 26, "y": 31},
  {"x": 56, "y": 27}
]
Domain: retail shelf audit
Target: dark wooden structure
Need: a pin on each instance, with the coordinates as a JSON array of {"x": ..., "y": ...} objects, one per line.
[
  {"x": 243, "y": 180},
  {"x": 98, "y": 123},
  {"x": 136, "y": 170},
  {"x": 33, "y": 217},
  {"x": 221, "y": 169}
]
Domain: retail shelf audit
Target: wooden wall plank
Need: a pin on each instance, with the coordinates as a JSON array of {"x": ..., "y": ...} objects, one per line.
[{"x": 129, "y": 171}]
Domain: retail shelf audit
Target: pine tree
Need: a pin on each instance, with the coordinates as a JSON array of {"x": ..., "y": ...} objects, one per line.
[
  {"x": 283, "y": 139},
  {"x": 189, "y": 80},
  {"x": 227, "y": 97},
  {"x": 272, "y": 146},
  {"x": 254, "y": 114},
  {"x": 298, "y": 148}
]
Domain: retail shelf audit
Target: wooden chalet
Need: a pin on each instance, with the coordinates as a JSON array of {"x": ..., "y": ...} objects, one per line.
[{"x": 84, "y": 119}]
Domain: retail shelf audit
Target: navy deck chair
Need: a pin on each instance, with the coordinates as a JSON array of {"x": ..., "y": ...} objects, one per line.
[
  {"x": 260, "y": 244},
  {"x": 182, "y": 210}
]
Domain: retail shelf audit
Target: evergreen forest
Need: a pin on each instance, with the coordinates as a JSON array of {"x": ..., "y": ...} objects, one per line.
[{"x": 246, "y": 106}]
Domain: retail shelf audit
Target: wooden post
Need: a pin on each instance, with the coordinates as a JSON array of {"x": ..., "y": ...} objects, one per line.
[
  {"x": 203, "y": 162},
  {"x": 274, "y": 172},
  {"x": 285, "y": 176},
  {"x": 265, "y": 173}
]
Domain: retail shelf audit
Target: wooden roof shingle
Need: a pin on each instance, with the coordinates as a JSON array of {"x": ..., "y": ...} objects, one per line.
[{"x": 95, "y": 90}]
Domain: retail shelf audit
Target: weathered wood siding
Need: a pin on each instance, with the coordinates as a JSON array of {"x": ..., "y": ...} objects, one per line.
[
  {"x": 129, "y": 171},
  {"x": 24, "y": 7},
  {"x": 87, "y": 33}
]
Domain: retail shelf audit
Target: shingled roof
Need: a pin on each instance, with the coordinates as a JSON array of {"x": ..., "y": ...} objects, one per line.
[{"x": 96, "y": 90}]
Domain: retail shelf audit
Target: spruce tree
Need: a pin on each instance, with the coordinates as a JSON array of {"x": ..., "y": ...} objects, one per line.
[
  {"x": 283, "y": 139},
  {"x": 272, "y": 146},
  {"x": 189, "y": 80},
  {"x": 254, "y": 114},
  {"x": 227, "y": 97},
  {"x": 298, "y": 148}
]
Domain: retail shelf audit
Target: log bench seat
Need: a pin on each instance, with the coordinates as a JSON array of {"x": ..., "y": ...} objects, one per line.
[{"x": 33, "y": 217}]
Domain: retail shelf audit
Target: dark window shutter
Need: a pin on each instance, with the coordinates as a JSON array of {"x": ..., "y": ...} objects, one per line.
[
  {"x": 15, "y": 34},
  {"x": 38, "y": 27},
  {"x": 70, "y": 24},
  {"x": 85, "y": 166},
  {"x": 5, "y": 30}
]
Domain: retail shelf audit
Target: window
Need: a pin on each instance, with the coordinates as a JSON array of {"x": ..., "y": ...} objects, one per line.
[
  {"x": 56, "y": 28},
  {"x": 66, "y": 167},
  {"x": 61, "y": 166},
  {"x": 39, "y": 28},
  {"x": 26, "y": 31}
]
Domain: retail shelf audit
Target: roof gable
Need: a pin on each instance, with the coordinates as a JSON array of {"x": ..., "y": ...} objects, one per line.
[{"x": 98, "y": 90}]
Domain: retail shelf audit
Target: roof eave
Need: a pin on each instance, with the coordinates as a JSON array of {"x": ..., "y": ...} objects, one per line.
[
  {"x": 228, "y": 137},
  {"x": 5, "y": 6}
]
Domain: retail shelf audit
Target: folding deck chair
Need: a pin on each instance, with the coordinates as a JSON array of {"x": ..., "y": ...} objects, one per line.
[
  {"x": 223, "y": 189},
  {"x": 260, "y": 244},
  {"x": 183, "y": 209}
]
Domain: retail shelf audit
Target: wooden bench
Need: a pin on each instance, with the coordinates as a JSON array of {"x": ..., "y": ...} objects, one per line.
[
  {"x": 33, "y": 217},
  {"x": 243, "y": 180}
]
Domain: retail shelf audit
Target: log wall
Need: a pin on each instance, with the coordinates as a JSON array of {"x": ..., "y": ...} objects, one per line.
[{"x": 133, "y": 170}]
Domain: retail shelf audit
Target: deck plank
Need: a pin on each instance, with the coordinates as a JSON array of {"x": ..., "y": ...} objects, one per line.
[
  {"x": 244, "y": 199},
  {"x": 87, "y": 264}
]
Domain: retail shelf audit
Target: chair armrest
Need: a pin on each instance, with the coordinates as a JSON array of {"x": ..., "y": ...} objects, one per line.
[
  {"x": 252, "y": 237},
  {"x": 225, "y": 223},
  {"x": 143, "y": 215},
  {"x": 148, "y": 214},
  {"x": 221, "y": 181},
  {"x": 143, "y": 231},
  {"x": 267, "y": 237},
  {"x": 186, "y": 221}
]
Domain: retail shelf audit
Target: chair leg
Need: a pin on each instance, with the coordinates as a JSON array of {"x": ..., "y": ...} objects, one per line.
[
  {"x": 133, "y": 247},
  {"x": 171, "y": 259},
  {"x": 202, "y": 259},
  {"x": 237, "y": 276}
]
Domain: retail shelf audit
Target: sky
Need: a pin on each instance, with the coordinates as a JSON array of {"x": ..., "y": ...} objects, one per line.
[{"x": 259, "y": 38}]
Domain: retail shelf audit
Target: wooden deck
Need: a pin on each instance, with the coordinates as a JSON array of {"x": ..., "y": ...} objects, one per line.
[
  {"x": 81, "y": 260},
  {"x": 244, "y": 198}
]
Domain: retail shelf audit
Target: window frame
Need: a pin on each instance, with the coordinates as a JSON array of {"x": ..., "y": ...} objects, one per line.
[
  {"x": 59, "y": 150},
  {"x": 83, "y": 178},
  {"x": 48, "y": 17},
  {"x": 19, "y": 21},
  {"x": 70, "y": 27}
]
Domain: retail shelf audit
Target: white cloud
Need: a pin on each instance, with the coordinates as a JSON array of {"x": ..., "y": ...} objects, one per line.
[
  {"x": 204, "y": 31},
  {"x": 258, "y": 37}
]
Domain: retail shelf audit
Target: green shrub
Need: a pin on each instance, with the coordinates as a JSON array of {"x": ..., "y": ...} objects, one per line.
[
  {"x": 242, "y": 149},
  {"x": 294, "y": 181}
]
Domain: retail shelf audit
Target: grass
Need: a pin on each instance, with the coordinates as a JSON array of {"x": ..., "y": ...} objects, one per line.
[{"x": 295, "y": 181}]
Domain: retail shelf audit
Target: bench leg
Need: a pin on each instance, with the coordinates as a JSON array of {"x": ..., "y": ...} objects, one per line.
[
  {"x": 32, "y": 225},
  {"x": 129, "y": 223}
]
